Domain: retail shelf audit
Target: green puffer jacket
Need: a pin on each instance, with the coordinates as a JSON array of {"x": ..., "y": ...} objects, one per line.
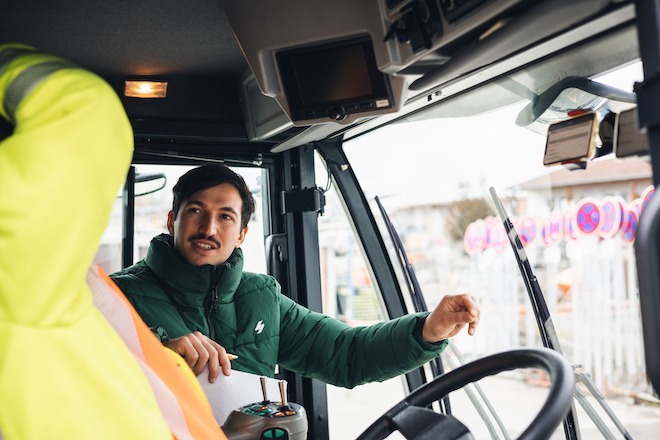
[{"x": 248, "y": 315}]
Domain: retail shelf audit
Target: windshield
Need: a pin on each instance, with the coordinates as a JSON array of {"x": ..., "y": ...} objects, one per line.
[{"x": 433, "y": 176}]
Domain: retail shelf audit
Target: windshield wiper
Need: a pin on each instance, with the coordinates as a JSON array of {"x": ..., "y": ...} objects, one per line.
[
  {"x": 419, "y": 303},
  {"x": 550, "y": 339}
]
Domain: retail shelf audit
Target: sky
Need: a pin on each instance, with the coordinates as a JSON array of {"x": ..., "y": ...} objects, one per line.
[
  {"x": 443, "y": 158},
  {"x": 445, "y": 155}
]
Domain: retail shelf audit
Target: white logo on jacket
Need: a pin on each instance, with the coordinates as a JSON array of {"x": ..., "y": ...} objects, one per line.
[{"x": 259, "y": 327}]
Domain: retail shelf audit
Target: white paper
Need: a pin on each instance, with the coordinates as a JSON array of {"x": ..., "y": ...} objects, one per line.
[{"x": 228, "y": 393}]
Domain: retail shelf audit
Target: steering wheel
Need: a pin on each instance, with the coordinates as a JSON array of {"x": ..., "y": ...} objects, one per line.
[{"x": 414, "y": 421}]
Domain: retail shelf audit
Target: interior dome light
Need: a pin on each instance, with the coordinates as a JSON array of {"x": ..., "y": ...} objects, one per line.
[{"x": 145, "y": 89}]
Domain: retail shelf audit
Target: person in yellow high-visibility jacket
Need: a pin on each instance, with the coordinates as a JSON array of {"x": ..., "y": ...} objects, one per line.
[{"x": 74, "y": 364}]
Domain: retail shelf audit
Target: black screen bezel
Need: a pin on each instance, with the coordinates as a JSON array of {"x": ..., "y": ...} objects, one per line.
[{"x": 302, "y": 108}]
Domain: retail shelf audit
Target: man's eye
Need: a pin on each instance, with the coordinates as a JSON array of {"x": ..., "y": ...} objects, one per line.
[{"x": 226, "y": 217}]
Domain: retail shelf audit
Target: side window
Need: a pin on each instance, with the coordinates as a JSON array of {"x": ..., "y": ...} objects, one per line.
[
  {"x": 152, "y": 203},
  {"x": 350, "y": 296}
]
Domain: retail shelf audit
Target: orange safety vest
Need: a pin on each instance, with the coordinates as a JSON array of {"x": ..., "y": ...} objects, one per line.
[{"x": 180, "y": 397}]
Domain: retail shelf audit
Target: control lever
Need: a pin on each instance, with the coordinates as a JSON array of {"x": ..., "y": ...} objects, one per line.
[
  {"x": 283, "y": 398},
  {"x": 264, "y": 392}
]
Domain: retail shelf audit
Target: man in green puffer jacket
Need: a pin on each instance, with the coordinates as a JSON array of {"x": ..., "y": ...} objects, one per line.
[{"x": 192, "y": 291}]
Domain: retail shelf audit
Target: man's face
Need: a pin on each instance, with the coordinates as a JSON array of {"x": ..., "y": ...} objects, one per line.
[{"x": 207, "y": 228}]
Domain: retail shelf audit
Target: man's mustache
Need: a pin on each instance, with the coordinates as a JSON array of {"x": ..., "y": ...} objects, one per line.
[{"x": 203, "y": 237}]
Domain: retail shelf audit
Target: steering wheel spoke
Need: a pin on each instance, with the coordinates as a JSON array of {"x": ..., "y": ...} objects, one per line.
[{"x": 418, "y": 423}]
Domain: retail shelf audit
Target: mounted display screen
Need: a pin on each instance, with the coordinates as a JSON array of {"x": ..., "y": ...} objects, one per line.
[
  {"x": 572, "y": 140},
  {"x": 333, "y": 80}
]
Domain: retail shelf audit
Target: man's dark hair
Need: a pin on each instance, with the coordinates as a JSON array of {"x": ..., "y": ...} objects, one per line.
[{"x": 208, "y": 176}]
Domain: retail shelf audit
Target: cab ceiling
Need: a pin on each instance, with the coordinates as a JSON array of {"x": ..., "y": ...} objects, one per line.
[{"x": 188, "y": 42}]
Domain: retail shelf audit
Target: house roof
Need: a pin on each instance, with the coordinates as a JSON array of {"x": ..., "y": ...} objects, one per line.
[{"x": 598, "y": 171}]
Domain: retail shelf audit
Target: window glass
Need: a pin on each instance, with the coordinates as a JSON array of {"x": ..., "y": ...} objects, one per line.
[{"x": 433, "y": 178}]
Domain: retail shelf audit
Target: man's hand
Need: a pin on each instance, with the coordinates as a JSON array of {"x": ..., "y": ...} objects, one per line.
[
  {"x": 199, "y": 351},
  {"x": 448, "y": 318}
]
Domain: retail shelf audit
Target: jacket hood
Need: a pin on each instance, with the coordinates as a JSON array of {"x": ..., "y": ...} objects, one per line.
[{"x": 188, "y": 280}]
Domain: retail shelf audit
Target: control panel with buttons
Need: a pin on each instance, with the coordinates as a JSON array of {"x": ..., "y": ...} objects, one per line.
[{"x": 267, "y": 420}]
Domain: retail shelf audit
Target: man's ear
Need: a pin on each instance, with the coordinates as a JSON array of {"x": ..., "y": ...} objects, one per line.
[
  {"x": 170, "y": 222},
  {"x": 241, "y": 237}
]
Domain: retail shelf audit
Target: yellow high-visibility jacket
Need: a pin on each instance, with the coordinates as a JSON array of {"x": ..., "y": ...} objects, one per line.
[{"x": 65, "y": 371}]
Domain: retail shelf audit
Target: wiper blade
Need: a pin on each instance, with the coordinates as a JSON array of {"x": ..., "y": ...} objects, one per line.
[
  {"x": 549, "y": 335},
  {"x": 419, "y": 304},
  {"x": 413, "y": 288},
  {"x": 409, "y": 272}
]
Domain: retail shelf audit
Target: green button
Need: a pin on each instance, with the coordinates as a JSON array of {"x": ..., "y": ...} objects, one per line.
[{"x": 274, "y": 433}]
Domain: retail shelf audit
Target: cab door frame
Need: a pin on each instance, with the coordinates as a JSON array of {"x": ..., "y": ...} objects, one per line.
[{"x": 295, "y": 263}]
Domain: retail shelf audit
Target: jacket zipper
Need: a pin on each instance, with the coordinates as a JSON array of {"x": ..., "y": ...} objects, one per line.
[{"x": 212, "y": 299}]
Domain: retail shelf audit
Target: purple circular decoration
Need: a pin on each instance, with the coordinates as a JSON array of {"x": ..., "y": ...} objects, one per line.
[
  {"x": 646, "y": 197},
  {"x": 552, "y": 230},
  {"x": 588, "y": 217},
  {"x": 613, "y": 213},
  {"x": 528, "y": 230},
  {"x": 630, "y": 229}
]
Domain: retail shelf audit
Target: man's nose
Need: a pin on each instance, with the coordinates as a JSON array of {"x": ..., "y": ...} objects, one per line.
[{"x": 209, "y": 226}]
